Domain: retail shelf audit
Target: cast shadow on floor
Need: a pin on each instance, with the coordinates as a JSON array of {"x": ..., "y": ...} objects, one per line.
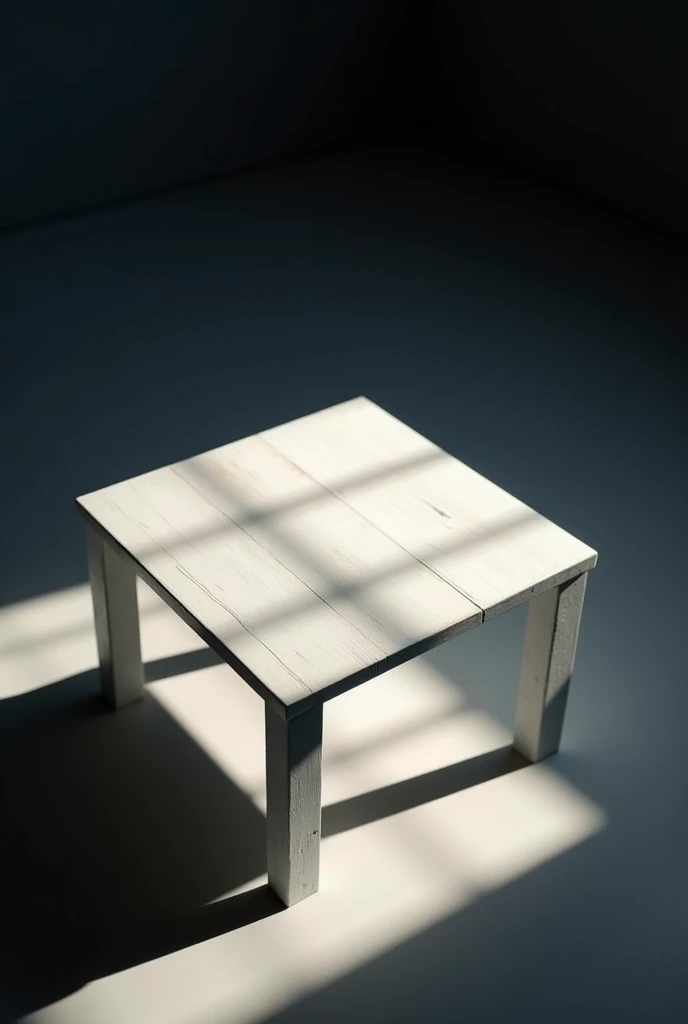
[{"x": 120, "y": 832}]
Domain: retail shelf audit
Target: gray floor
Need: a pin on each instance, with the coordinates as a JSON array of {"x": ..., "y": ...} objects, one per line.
[{"x": 537, "y": 338}]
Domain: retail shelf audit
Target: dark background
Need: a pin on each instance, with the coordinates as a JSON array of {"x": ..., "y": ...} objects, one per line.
[
  {"x": 592, "y": 93},
  {"x": 105, "y": 101},
  {"x": 475, "y": 215}
]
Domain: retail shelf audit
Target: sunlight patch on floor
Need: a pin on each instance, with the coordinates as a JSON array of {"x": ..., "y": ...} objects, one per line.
[
  {"x": 382, "y": 880},
  {"x": 50, "y": 637}
]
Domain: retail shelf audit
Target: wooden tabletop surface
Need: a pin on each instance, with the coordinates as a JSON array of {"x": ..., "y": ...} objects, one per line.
[{"x": 322, "y": 552}]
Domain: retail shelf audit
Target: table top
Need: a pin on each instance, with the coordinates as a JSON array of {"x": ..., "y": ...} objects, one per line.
[{"x": 317, "y": 554}]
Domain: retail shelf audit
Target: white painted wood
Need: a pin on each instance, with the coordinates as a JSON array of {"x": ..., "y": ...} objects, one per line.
[
  {"x": 293, "y": 775},
  {"x": 485, "y": 542},
  {"x": 304, "y": 594},
  {"x": 318, "y": 554},
  {"x": 115, "y": 608},
  {"x": 548, "y": 657}
]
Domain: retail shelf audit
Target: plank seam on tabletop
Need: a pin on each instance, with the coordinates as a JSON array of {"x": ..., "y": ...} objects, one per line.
[
  {"x": 255, "y": 540},
  {"x": 288, "y": 699},
  {"x": 567, "y": 571},
  {"x": 286, "y": 708},
  {"x": 379, "y": 528}
]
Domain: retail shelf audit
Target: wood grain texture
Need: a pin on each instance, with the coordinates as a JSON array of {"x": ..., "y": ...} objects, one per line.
[
  {"x": 548, "y": 656},
  {"x": 293, "y": 776},
  {"x": 115, "y": 608},
  {"x": 307, "y": 596},
  {"x": 489, "y": 545},
  {"x": 320, "y": 553}
]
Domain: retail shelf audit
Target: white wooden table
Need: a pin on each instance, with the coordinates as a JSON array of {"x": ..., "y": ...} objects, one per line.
[{"x": 316, "y": 555}]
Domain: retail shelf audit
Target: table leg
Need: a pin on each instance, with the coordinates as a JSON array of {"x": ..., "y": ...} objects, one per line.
[
  {"x": 548, "y": 656},
  {"x": 293, "y": 772},
  {"x": 113, "y": 588}
]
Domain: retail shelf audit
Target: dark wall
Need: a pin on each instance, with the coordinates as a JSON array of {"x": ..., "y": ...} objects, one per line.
[
  {"x": 98, "y": 101},
  {"x": 594, "y": 93}
]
